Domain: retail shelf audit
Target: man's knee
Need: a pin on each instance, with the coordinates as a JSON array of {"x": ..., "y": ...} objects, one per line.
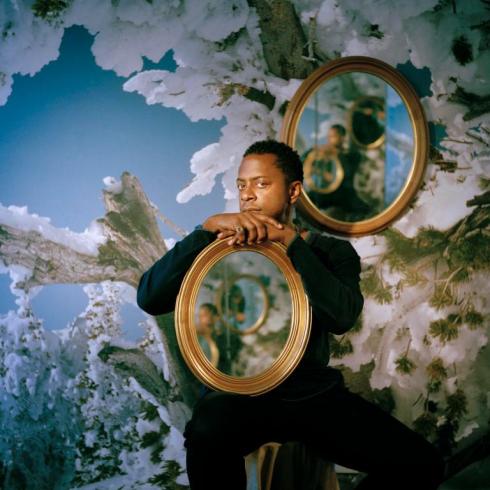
[{"x": 212, "y": 421}]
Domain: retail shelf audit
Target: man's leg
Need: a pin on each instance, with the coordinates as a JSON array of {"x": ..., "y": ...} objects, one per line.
[
  {"x": 345, "y": 428},
  {"x": 340, "y": 425},
  {"x": 224, "y": 428}
]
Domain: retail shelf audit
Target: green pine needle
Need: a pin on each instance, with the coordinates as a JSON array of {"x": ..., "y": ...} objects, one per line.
[
  {"x": 474, "y": 319},
  {"x": 441, "y": 298},
  {"x": 436, "y": 369},
  {"x": 340, "y": 348},
  {"x": 426, "y": 424},
  {"x": 456, "y": 405},
  {"x": 404, "y": 365},
  {"x": 372, "y": 285},
  {"x": 444, "y": 329}
]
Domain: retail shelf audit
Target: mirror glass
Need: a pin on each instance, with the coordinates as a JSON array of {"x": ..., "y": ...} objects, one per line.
[
  {"x": 356, "y": 141},
  {"x": 242, "y": 313}
]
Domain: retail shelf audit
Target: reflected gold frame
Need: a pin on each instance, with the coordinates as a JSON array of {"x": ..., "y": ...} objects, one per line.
[
  {"x": 420, "y": 132},
  {"x": 293, "y": 350},
  {"x": 263, "y": 315},
  {"x": 308, "y": 167},
  {"x": 374, "y": 144}
]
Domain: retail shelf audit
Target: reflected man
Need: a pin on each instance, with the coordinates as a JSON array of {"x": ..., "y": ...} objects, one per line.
[
  {"x": 233, "y": 305},
  {"x": 219, "y": 343},
  {"x": 336, "y": 166},
  {"x": 206, "y": 326}
]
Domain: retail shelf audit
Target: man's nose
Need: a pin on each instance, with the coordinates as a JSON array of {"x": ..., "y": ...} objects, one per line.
[{"x": 247, "y": 194}]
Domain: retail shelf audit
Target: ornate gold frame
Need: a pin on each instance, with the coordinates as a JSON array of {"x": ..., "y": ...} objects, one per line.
[
  {"x": 421, "y": 141},
  {"x": 370, "y": 146},
  {"x": 308, "y": 166},
  {"x": 185, "y": 327},
  {"x": 263, "y": 316}
]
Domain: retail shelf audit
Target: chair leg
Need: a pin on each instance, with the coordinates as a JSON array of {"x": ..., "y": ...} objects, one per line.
[{"x": 274, "y": 455}]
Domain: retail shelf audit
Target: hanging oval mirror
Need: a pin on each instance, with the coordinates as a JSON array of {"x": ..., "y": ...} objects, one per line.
[
  {"x": 242, "y": 317},
  {"x": 361, "y": 132},
  {"x": 243, "y": 302}
]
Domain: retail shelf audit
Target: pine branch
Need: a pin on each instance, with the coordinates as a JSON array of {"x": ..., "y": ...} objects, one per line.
[
  {"x": 477, "y": 104},
  {"x": 479, "y": 200}
]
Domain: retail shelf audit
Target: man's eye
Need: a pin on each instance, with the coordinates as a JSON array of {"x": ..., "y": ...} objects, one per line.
[{"x": 262, "y": 184}]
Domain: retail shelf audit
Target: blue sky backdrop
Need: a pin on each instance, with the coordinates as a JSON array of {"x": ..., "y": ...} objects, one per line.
[{"x": 71, "y": 125}]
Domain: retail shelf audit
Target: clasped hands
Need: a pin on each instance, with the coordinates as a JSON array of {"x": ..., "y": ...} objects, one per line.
[{"x": 248, "y": 227}]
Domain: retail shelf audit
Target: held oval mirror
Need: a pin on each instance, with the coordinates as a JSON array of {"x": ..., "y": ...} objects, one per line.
[
  {"x": 242, "y": 317},
  {"x": 360, "y": 130}
]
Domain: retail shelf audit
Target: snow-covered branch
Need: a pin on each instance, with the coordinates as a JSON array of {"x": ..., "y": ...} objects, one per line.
[{"x": 118, "y": 246}]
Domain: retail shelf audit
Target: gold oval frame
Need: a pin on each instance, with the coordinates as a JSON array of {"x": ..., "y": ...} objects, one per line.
[
  {"x": 339, "y": 175},
  {"x": 420, "y": 132},
  {"x": 369, "y": 146},
  {"x": 293, "y": 350},
  {"x": 263, "y": 316}
]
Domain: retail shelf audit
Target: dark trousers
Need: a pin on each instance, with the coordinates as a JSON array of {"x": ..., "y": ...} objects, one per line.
[{"x": 338, "y": 425}]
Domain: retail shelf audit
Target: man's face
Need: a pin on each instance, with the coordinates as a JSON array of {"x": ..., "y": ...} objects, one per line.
[
  {"x": 262, "y": 186},
  {"x": 335, "y": 138},
  {"x": 206, "y": 318}
]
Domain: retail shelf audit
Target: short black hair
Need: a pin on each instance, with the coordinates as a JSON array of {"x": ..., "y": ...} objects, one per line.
[
  {"x": 288, "y": 160},
  {"x": 210, "y": 307},
  {"x": 339, "y": 128}
]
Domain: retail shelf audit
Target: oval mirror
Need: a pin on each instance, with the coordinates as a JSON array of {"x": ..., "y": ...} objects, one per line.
[
  {"x": 242, "y": 317},
  {"x": 361, "y": 132},
  {"x": 242, "y": 300}
]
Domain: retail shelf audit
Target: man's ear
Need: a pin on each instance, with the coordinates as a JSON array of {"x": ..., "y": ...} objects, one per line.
[{"x": 294, "y": 191}]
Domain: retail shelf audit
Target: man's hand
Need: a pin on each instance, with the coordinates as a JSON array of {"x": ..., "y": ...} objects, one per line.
[
  {"x": 284, "y": 235},
  {"x": 252, "y": 226}
]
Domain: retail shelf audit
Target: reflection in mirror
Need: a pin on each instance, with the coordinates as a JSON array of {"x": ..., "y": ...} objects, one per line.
[
  {"x": 243, "y": 303},
  {"x": 243, "y": 319},
  {"x": 206, "y": 325},
  {"x": 356, "y": 140},
  {"x": 367, "y": 122}
]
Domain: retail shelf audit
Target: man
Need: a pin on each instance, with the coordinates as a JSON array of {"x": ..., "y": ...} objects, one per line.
[
  {"x": 206, "y": 331},
  {"x": 312, "y": 405},
  {"x": 220, "y": 345},
  {"x": 337, "y": 194}
]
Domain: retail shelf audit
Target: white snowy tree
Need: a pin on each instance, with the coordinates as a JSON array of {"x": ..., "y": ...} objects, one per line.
[{"x": 39, "y": 425}]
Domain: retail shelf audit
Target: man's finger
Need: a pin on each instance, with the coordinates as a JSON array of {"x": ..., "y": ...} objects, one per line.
[
  {"x": 240, "y": 235},
  {"x": 235, "y": 239},
  {"x": 260, "y": 231},
  {"x": 225, "y": 234},
  {"x": 269, "y": 219},
  {"x": 250, "y": 227}
]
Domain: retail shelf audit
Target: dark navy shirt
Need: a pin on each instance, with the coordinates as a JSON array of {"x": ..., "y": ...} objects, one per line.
[{"x": 330, "y": 272}]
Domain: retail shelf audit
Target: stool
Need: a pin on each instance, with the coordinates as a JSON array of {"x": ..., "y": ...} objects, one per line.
[{"x": 288, "y": 466}]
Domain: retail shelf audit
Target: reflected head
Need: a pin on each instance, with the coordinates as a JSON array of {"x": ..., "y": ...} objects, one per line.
[
  {"x": 339, "y": 128},
  {"x": 336, "y": 135}
]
